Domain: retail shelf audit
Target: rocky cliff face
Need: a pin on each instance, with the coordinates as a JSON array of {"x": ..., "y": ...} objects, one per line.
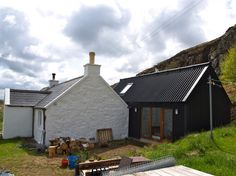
[{"x": 213, "y": 51}]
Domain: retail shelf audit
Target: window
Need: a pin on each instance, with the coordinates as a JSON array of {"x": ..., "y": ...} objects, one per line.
[
  {"x": 40, "y": 117},
  {"x": 126, "y": 88}
]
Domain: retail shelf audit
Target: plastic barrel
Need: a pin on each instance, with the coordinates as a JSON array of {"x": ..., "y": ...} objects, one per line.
[{"x": 72, "y": 161}]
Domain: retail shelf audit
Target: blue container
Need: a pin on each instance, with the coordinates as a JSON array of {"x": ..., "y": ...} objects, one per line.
[{"x": 72, "y": 161}]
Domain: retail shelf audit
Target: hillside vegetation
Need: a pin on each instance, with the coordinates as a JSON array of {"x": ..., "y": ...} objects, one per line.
[
  {"x": 231, "y": 91},
  {"x": 198, "y": 151}
]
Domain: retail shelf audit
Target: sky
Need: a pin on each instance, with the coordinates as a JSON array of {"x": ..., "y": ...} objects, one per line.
[{"x": 40, "y": 37}]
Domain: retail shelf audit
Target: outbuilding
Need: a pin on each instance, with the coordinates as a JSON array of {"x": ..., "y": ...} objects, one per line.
[
  {"x": 169, "y": 104},
  {"x": 75, "y": 108}
]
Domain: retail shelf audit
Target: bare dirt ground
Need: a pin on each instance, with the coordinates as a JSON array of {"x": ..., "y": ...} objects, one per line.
[
  {"x": 35, "y": 165},
  {"x": 126, "y": 150},
  {"x": 27, "y": 163}
]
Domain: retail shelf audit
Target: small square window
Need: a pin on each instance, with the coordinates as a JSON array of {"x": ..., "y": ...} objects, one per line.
[{"x": 126, "y": 88}]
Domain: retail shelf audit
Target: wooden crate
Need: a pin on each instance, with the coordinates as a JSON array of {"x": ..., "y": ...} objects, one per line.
[{"x": 104, "y": 136}]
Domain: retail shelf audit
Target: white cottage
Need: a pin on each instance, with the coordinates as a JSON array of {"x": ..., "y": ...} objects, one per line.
[{"x": 75, "y": 108}]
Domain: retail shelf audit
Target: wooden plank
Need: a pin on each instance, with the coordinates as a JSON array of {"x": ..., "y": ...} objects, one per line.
[
  {"x": 162, "y": 113},
  {"x": 139, "y": 159},
  {"x": 111, "y": 162},
  {"x": 197, "y": 172},
  {"x": 97, "y": 164},
  {"x": 104, "y": 135},
  {"x": 145, "y": 174},
  {"x": 173, "y": 171},
  {"x": 176, "y": 172}
]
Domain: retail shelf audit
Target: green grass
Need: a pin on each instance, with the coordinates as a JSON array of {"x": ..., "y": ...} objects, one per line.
[
  {"x": 11, "y": 148},
  {"x": 23, "y": 161},
  {"x": 198, "y": 151}
]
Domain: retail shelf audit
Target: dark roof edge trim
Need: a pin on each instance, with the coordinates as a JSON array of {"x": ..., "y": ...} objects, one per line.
[{"x": 173, "y": 69}]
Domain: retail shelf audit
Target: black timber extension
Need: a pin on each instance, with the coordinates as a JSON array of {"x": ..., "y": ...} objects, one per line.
[{"x": 169, "y": 104}]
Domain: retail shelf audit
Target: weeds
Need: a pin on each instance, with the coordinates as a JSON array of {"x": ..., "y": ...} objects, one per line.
[{"x": 200, "y": 152}]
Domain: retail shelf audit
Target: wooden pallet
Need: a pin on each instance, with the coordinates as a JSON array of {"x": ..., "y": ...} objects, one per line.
[{"x": 104, "y": 136}]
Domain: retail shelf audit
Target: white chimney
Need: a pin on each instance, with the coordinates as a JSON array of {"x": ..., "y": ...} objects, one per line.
[
  {"x": 53, "y": 82},
  {"x": 91, "y": 68}
]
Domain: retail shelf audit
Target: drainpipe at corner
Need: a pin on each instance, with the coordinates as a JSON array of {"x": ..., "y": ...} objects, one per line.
[{"x": 44, "y": 126}]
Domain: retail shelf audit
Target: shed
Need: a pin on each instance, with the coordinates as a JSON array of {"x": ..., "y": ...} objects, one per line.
[{"x": 171, "y": 103}]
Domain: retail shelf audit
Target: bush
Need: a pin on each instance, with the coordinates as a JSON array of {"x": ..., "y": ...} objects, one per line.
[{"x": 228, "y": 66}]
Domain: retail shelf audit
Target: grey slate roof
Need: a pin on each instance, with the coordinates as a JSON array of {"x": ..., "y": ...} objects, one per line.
[
  {"x": 26, "y": 97},
  {"x": 39, "y": 98},
  {"x": 56, "y": 91},
  {"x": 165, "y": 86}
]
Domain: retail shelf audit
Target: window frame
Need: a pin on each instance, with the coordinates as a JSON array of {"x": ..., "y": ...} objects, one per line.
[
  {"x": 40, "y": 118},
  {"x": 126, "y": 88}
]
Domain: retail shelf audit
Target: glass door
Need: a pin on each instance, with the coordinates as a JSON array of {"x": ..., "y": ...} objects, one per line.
[
  {"x": 145, "y": 123},
  {"x": 156, "y": 123},
  {"x": 152, "y": 123}
]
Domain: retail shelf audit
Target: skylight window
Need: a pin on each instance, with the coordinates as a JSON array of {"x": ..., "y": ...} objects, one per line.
[{"x": 127, "y": 87}]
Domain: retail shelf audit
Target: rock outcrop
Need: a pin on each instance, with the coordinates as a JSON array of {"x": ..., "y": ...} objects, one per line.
[{"x": 213, "y": 51}]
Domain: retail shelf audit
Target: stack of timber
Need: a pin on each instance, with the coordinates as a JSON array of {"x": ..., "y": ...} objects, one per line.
[{"x": 67, "y": 145}]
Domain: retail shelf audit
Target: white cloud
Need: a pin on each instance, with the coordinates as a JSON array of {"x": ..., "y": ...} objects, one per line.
[{"x": 34, "y": 43}]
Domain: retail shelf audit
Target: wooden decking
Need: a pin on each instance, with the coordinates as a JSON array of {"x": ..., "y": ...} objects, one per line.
[{"x": 172, "y": 171}]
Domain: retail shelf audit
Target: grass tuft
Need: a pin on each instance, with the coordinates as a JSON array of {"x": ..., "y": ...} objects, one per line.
[{"x": 198, "y": 151}]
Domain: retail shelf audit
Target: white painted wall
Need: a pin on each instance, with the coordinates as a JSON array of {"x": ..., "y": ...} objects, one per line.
[
  {"x": 88, "y": 106},
  {"x": 38, "y": 127},
  {"x": 17, "y": 122}
]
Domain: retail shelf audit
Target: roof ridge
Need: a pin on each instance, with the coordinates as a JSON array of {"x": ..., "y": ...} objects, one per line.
[
  {"x": 66, "y": 81},
  {"x": 61, "y": 86},
  {"x": 172, "y": 69}
]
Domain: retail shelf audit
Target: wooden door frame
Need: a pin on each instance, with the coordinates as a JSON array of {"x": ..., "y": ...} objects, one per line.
[
  {"x": 162, "y": 112},
  {"x": 149, "y": 122}
]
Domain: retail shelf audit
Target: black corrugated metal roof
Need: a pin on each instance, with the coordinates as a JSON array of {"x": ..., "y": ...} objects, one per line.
[{"x": 166, "y": 86}]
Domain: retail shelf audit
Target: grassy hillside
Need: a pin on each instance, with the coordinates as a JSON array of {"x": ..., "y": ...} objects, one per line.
[
  {"x": 198, "y": 151},
  {"x": 231, "y": 91}
]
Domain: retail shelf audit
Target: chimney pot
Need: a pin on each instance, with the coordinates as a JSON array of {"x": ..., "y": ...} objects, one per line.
[
  {"x": 91, "y": 57},
  {"x": 53, "y": 82},
  {"x": 53, "y": 76}
]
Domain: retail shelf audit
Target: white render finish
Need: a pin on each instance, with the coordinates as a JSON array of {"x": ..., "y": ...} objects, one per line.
[
  {"x": 7, "y": 96},
  {"x": 92, "y": 70},
  {"x": 90, "y": 105},
  {"x": 83, "y": 108},
  {"x": 17, "y": 122}
]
